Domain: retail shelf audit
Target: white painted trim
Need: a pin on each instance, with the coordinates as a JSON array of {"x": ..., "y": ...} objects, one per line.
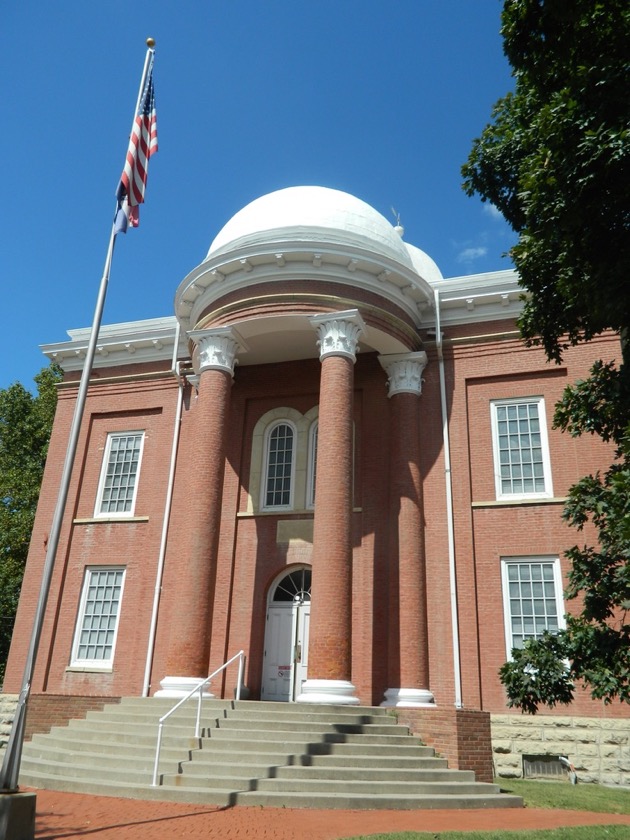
[
  {"x": 337, "y": 692},
  {"x": 133, "y": 342},
  {"x": 547, "y": 493},
  {"x": 95, "y": 664},
  {"x": 101, "y": 483},
  {"x": 507, "y": 612},
  {"x": 312, "y": 463},
  {"x": 282, "y": 421}
]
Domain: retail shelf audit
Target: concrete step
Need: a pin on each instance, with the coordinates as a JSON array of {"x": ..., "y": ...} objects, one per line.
[
  {"x": 252, "y": 754},
  {"x": 387, "y": 762},
  {"x": 225, "y": 798},
  {"x": 393, "y": 787},
  {"x": 360, "y": 801},
  {"x": 277, "y": 724},
  {"x": 255, "y": 707},
  {"x": 362, "y": 773},
  {"x": 251, "y": 729}
]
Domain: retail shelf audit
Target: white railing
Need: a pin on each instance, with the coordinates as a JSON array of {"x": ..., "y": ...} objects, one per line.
[{"x": 197, "y": 689}]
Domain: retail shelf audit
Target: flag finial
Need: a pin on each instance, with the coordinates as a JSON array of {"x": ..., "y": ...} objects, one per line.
[{"x": 150, "y": 43}]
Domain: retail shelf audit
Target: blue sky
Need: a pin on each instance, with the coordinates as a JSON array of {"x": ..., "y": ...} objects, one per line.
[{"x": 381, "y": 99}]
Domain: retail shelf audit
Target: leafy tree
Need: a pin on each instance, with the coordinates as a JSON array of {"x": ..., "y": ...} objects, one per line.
[
  {"x": 556, "y": 162},
  {"x": 25, "y": 425}
]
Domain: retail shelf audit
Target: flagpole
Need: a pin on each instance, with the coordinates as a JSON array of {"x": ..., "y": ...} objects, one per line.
[{"x": 11, "y": 765}]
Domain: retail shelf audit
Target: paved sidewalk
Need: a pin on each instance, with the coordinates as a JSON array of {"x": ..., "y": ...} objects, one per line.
[{"x": 68, "y": 816}]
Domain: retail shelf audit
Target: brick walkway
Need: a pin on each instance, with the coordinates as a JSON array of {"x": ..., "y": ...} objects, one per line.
[{"x": 64, "y": 816}]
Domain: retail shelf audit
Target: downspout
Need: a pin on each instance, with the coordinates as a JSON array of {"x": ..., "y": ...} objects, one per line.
[
  {"x": 175, "y": 369},
  {"x": 450, "y": 527}
]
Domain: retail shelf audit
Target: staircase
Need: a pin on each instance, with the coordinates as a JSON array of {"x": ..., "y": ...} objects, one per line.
[{"x": 253, "y": 753}]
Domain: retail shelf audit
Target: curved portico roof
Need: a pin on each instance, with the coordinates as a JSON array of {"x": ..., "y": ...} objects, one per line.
[{"x": 309, "y": 233}]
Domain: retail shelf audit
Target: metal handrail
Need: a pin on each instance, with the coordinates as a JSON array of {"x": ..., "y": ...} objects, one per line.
[{"x": 198, "y": 688}]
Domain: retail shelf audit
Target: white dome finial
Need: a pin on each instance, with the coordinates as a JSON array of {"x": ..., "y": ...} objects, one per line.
[{"x": 398, "y": 227}]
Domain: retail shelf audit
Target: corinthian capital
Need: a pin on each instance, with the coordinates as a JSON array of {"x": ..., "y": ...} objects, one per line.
[
  {"x": 216, "y": 349},
  {"x": 404, "y": 372},
  {"x": 338, "y": 333}
]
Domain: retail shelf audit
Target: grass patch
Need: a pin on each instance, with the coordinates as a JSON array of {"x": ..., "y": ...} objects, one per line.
[
  {"x": 596, "y": 798},
  {"x": 582, "y": 832}
]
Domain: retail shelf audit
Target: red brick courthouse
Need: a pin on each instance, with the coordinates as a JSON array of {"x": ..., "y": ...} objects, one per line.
[{"x": 331, "y": 458}]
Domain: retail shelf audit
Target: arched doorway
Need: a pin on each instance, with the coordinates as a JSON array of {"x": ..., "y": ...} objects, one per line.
[{"x": 285, "y": 661}]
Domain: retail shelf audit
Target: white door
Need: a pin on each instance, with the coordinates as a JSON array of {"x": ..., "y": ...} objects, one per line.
[
  {"x": 286, "y": 637},
  {"x": 303, "y": 619}
]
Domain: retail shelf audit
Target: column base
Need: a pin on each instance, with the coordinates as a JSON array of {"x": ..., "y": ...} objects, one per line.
[
  {"x": 337, "y": 692},
  {"x": 409, "y": 698},
  {"x": 178, "y": 687}
]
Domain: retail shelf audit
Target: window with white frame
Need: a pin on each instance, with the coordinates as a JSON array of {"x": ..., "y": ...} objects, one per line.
[
  {"x": 99, "y": 614},
  {"x": 521, "y": 450},
  {"x": 532, "y": 598},
  {"x": 279, "y": 466},
  {"x": 118, "y": 485},
  {"x": 312, "y": 464}
]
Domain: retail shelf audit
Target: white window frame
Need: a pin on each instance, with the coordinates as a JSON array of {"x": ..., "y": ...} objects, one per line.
[
  {"x": 311, "y": 472},
  {"x": 265, "y": 473},
  {"x": 96, "y": 664},
  {"x": 544, "y": 443},
  {"x": 98, "y": 512},
  {"x": 506, "y": 562}
]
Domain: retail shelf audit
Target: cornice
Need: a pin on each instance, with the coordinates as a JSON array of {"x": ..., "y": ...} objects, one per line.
[
  {"x": 135, "y": 342},
  {"x": 476, "y": 298},
  {"x": 353, "y": 267}
]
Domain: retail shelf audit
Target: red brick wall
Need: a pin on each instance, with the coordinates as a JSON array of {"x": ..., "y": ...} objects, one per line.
[
  {"x": 142, "y": 405},
  {"x": 249, "y": 556},
  {"x": 461, "y": 736},
  {"x": 47, "y": 710}
]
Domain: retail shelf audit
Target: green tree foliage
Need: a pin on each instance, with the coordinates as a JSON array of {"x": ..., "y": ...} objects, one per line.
[
  {"x": 556, "y": 162},
  {"x": 25, "y": 425}
]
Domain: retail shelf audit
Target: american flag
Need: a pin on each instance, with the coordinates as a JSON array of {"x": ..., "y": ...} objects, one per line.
[{"x": 142, "y": 144}]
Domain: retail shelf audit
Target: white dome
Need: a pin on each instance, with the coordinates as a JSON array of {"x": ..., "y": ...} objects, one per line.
[
  {"x": 423, "y": 264},
  {"x": 311, "y": 214}
]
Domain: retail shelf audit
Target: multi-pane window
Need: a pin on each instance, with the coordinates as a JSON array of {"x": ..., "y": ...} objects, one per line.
[
  {"x": 521, "y": 453},
  {"x": 532, "y": 597},
  {"x": 97, "y": 624},
  {"x": 119, "y": 476},
  {"x": 280, "y": 464}
]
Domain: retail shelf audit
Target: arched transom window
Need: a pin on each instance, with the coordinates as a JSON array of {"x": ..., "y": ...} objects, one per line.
[{"x": 294, "y": 587}]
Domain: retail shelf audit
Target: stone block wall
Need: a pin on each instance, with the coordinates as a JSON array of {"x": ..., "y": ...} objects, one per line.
[
  {"x": 8, "y": 703},
  {"x": 598, "y": 748}
]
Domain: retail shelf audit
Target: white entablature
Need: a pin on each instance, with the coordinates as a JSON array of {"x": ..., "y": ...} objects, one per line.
[{"x": 152, "y": 340}]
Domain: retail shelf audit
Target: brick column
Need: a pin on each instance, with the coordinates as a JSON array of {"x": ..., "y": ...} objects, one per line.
[
  {"x": 330, "y": 635},
  {"x": 189, "y": 646},
  {"x": 408, "y": 653}
]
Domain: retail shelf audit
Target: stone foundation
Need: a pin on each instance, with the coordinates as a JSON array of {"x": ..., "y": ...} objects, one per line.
[
  {"x": 598, "y": 748},
  {"x": 8, "y": 704}
]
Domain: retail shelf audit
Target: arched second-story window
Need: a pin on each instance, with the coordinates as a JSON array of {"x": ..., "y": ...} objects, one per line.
[{"x": 279, "y": 466}]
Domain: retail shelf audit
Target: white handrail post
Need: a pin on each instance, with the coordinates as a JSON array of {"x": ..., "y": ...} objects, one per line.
[
  {"x": 157, "y": 755},
  {"x": 240, "y": 675},
  {"x": 198, "y": 723}
]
